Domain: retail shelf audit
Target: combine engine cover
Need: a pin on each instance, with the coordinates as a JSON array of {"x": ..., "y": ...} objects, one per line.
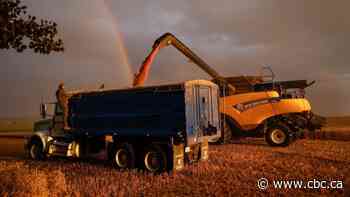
[{"x": 251, "y": 109}]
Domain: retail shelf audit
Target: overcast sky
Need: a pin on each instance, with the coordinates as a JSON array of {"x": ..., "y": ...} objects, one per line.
[{"x": 299, "y": 39}]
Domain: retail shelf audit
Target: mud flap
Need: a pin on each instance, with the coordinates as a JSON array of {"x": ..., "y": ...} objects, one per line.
[
  {"x": 178, "y": 157},
  {"x": 204, "y": 150}
]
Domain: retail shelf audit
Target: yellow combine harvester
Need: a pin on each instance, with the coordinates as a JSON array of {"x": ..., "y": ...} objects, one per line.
[{"x": 256, "y": 110}]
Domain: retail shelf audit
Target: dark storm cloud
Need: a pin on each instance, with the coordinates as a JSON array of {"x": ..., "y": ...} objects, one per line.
[{"x": 299, "y": 39}]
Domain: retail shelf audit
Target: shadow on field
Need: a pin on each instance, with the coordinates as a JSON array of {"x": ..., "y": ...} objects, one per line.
[
  {"x": 250, "y": 141},
  {"x": 67, "y": 161}
]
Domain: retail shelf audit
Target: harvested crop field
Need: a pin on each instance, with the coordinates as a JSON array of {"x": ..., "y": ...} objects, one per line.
[
  {"x": 12, "y": 144},
  {"x": 232, "y": 170}
]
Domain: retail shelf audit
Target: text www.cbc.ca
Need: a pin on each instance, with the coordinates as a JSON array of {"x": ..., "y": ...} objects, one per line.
[{"x": 263, "y": 184}]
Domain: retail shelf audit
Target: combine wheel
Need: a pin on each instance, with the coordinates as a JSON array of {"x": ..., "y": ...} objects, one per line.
[{"x": 278, "y": 135}]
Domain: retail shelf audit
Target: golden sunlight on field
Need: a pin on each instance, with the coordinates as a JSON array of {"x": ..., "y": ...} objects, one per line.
[{"x": 232, "y": 169}]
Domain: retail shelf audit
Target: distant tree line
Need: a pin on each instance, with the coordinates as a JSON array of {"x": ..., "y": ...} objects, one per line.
[{"x": 20, "y": 31}]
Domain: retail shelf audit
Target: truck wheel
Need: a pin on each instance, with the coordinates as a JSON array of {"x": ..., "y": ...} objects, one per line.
[
  {"x": 155, "y": 159},
  {"x": 124, "y": 156},
  {"x": 278, "y": 135},
  {"x": 36, "y": 150},
  {"x": 226, "y": 134}
]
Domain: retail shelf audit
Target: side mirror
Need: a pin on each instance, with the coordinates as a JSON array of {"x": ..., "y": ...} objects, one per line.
[{"x": 43, "y": 110}]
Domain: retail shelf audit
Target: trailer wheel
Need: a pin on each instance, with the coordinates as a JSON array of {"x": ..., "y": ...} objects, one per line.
[
  {"x": 36, "y": 150},
  {"x": 278, "y": 135},
  {"x": 155, "y": 159},
  {"x": 124, "y": 156}
]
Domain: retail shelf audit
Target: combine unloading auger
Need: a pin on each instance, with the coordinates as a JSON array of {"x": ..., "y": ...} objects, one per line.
[{"x": 169, "y": 39}]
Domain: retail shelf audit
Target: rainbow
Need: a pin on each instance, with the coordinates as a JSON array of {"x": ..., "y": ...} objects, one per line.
[{"x": 120, "y": 42}]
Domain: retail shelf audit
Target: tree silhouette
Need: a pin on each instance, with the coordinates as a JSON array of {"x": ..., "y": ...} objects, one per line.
[{"x": 20, "y": 31}]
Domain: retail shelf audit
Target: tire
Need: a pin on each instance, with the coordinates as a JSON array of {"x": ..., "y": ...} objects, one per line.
[
  {"x": 123, "y": 156},
  {"x": 36, "y": 150},
  {"x": 226, "y": 134},
  {"x": 278, "y": 135},
  {"x": 155, "y": 159}
]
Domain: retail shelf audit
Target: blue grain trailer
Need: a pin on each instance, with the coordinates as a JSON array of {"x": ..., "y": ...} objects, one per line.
[{"x": 155, "y": 128}]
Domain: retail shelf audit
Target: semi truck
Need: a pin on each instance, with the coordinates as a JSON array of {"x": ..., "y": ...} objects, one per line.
[
  {"x": 155, "y": 128},
  {"x": 255, "y": 111}
]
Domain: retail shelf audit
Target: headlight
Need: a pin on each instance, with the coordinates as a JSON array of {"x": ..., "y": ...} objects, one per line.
[{"x": 49, "y": 138}]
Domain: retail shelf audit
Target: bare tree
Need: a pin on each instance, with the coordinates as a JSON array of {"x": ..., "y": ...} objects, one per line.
[{"x": 20, "y": 31}]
